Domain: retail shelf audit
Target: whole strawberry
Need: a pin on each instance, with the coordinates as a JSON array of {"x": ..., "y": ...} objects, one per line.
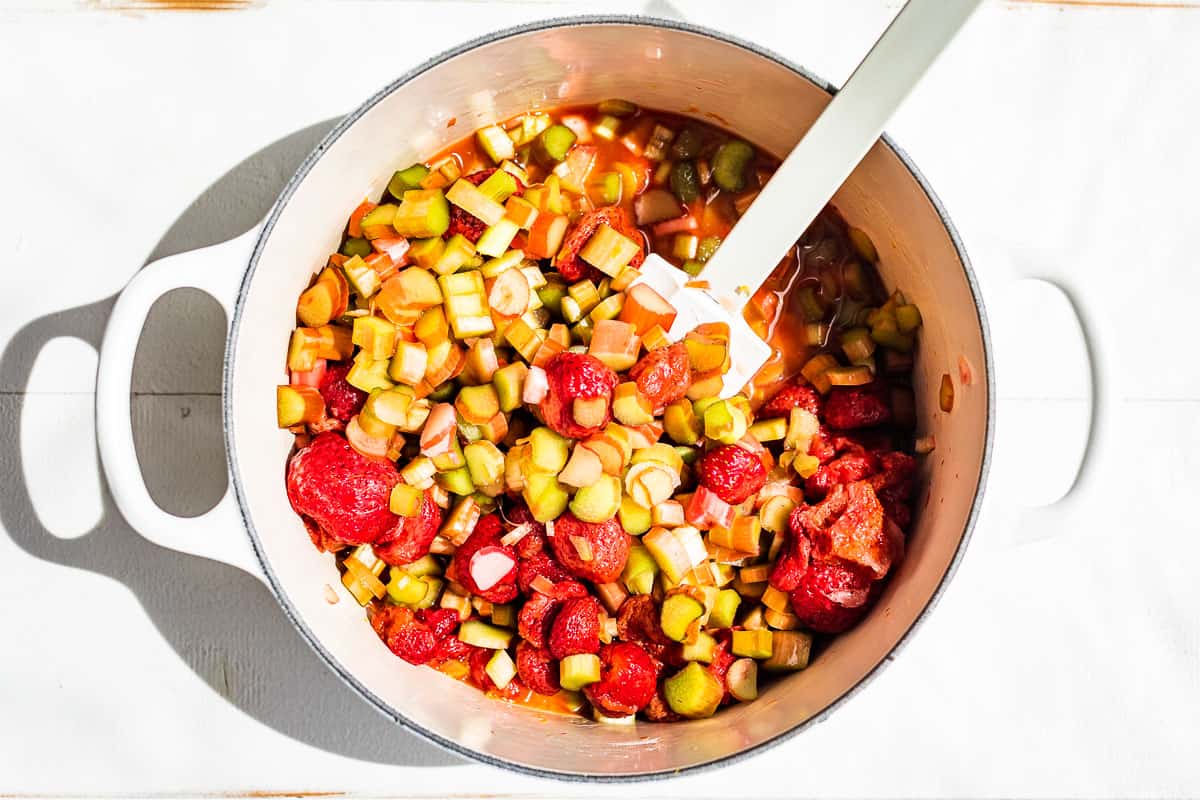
[
  {"x": 732, "y": 473},
  {"x": 572, "y": 377},
  {"x": 606, "y": 545},
  {"x": 484, "y": 542},
  {"x": 576, "y": 628},
  {"x": 628, "y": 679},
  {"x": 794, "y": 395},
  {"x": 342, "y": 401},
  {"x": 857, "y": 407},
  {"x": 341, "y": 490},
  {"x": 831, "y": 597},
  {"x": 537, "y": 668},
  {"x": 411, "y": 537},
  {"x": 663, "y": 375},
  {"x": 406, "y": 636}
]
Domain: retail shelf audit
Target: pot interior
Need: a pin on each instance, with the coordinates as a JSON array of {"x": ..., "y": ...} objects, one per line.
[{"x": 659, "y": 67}]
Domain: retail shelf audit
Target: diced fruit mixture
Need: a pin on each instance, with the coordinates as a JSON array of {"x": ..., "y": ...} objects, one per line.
[{"x": 532, "y": 487}]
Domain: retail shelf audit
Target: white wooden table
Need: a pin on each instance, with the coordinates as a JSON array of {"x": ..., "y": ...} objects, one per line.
[{"x": 1064, "y": 658}]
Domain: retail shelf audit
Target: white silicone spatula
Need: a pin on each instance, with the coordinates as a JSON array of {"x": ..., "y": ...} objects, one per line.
[{"x": 805, "y": 182}]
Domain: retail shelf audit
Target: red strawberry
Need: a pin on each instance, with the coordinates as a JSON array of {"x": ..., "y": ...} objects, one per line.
[
  {"x": 663, "y": 375},
  {"x": 442, "y": 621},
  {"x": 467, "y": 224},
  {"x": 793, "y": 560},
  {"x": 576, "y": 627},
  {"x": 657, "y": 709},
  {"x": 483, "y": 542},
  {"x": 832, "y": 597},
  {"x": 451, "y": 648},
  {"x": 540, "y": 564},
  {"x": 844, "y": 469},
  {"x": 858, "y": 534},
  {"x": 794, "y": 395},
  {"x": 857, "y": 407},
  {"x": 608, "y": 542},
  {"x": 573, "y": 268},
  {"x": 535, "y": 618},
  {"x": 537, "y": 669},
  {"x": 342, "y": 491},
  {"x": 732, "y": 473},
  {"x": 722, "y": 660},
  {"x": 532, "y": 542},
  {"x": 342, "y": 401},
  {"x": 639, "y": 620},
  {"x": 404, "y": 635},
  {"x": 628, "y": 680},
  {"x": 571, "y": 377},
  {"x": 411, "y": 537}
]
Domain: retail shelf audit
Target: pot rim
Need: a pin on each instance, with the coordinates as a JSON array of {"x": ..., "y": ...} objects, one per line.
[{"x": 231, "y": 447}]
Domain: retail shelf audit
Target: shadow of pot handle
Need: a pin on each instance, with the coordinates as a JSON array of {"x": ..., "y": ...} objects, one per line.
[
  {"x": 220, "y": 533},
  {"x": 1057, "y": 393}
]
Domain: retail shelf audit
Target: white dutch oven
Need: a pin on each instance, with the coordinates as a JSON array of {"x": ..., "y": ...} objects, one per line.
[{"x": 258, "y": 276}]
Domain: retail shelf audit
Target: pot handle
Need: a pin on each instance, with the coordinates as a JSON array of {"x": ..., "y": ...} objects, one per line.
[
  {"x": 1080, "y": 306},
  {"x": 219, "y": 533}
]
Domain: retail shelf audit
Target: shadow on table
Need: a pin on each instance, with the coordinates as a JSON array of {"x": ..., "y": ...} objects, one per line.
[{"x": 222, "y": 622}]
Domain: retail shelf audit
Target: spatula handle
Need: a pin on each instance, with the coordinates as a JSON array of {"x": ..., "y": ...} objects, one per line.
[{"x": 833, "y": 146}]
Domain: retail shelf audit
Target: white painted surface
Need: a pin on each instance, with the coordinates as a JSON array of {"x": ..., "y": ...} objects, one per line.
[{"x": 1063, "y": 660}]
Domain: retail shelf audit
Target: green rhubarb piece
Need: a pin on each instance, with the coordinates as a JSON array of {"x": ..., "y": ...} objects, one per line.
[
  {"x": 548, "y": 450},
  {"x": 708, "y": 246},
  {"x": 444, "y": 392},
  {"x": 485, "y": 462},
  {"x": 790, "y": 650},
  {"x": 499, "y": 185},
  {"x": 752, "y": 644},
  {"x": 634, "y": 519},
  {"x": 458, "y": 253},
  {"x": 510, "y": 384},
  {"x": 425, "y": 565},
  {"x": 369, "y": 374},
  {"x": 451, "y": 459},
  {"x": 496, "y": 238},
  {"x": 729, "y": 165},
  {"x": 640, "y": 570},
  {"x": 724, "y": 609},
  {"x": 481, "y": 634},
  {"x": 724, "y": 422},
  {"x": 496, "y": 143},
  {"x": 363, "y": 279},
  {"x": 456, "y": 481},
  {"x": 404, "y": 588},
  {"x": 769, "y": 430},
  {"x": 908, "y": 318},
  {"x": 500, "y": 667},
  {"x": 679, "y": 611},
  {"x": 423, "y": 213},
  {"x": 433, "y": 593},
  {"x": 598, "y": 502},
  {"x": 545, "y": 496},
  {"x": 681, "y": 423},
  {"x": 357, "y": 247},
  {"x": 693, "y": 692},
  {"x": 579, "y": 670},
  {"x": 382, "y": 214},
  {"x": 552, "y": 294},
  {"x": 405, "y": 500},
  {"x": 553, "y": 143},
  {"x": 407, "y": 179},
  {"x": 616, "y": 107},
  {"x": 704, "y": 649},
  {"x": 426, "y": 252}
]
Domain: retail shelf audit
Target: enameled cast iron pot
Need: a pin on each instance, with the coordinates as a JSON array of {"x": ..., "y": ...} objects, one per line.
[{"x": 661, "y": 65}]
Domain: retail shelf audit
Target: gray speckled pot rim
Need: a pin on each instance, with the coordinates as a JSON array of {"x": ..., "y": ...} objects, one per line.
[{"x": 231, "y": 446}]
